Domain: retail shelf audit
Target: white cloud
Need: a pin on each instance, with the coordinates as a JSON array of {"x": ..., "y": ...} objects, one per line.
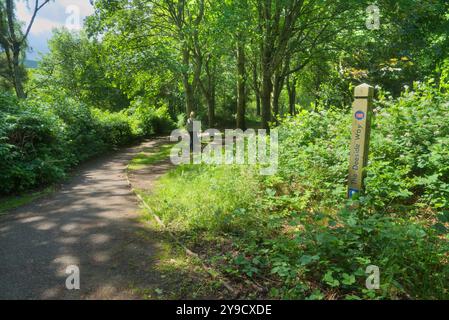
[
  {"x": 56, "y": 14},
  {"x": 84, "y": 5},
  {"x": 60, "y": 13}
]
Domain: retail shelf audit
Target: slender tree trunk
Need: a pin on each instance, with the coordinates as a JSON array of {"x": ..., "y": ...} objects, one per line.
[
  {"x": 277, "y": 89},
  {"x": 256, "y": 86},
  {"x": 267, "y": 84},
  {"x": 211, "y": 109},
  {"x": 265, "y": 97},
  {"x": 12, "y": 46},
  {"x": 257, "y": 103},
  {"x": 209, "y": 90},
  {"x": 209, "y": 94},
  {"x": 195, "y": 84},
  {"x": 241, "y": 84},
  {"x": 188, "y": 88},
  {"x": 212, "y": 95},
  {"x": 17, "y": 77},
  {"x": 291, "y": 88}
]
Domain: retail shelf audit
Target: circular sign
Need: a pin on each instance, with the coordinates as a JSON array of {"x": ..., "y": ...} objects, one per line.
[{"x": 360, "y": 115}]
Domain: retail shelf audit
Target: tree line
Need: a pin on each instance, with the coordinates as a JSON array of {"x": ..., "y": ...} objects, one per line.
[{"x": 231, "y": 60}]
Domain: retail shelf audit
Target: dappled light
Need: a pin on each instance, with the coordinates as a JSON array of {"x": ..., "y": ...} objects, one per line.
[{"x": 251, "y": 150}]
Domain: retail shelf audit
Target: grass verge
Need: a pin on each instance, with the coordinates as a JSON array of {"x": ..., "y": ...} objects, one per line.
[
  {"x": 181, "y": 276},
  {"x": 11, "y": 202},
  {"x": 150, "y": 156},
  {"x": 184, "y": 275}
]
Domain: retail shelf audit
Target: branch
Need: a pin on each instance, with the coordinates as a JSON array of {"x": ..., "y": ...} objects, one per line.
[{"x": 37, "y": 7}]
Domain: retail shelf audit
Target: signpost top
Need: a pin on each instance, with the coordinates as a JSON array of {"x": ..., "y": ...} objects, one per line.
[{"x": 364, "y": 91}]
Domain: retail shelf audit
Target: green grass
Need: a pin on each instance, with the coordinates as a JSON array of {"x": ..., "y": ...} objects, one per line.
[
  {"x": 202, "y": 197},
  {"x": 150, "y": 156},
  {"x": 12, "y": 202},
  {"x": 207, "y": 208},
  {"x": 179, "y": 275},
  {"x": 182, "y": 276}
]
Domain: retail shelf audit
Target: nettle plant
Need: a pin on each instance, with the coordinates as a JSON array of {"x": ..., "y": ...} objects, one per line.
[
  {"x": 409, "y": 158},
  {"x": 338, "y": 249}
]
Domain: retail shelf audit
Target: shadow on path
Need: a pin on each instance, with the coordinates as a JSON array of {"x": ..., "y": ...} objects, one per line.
[{"x": 91, "y": 222}]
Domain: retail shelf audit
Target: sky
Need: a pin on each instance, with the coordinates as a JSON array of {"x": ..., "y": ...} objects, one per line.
[{"x": 55, "y": 14}]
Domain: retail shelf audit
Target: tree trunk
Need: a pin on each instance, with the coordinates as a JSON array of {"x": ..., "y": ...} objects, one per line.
[
  {"x": 277, "y": 89},
  {"x": 257, "y": 102},
  {"x": 188, "y": 88},
  {"x": 17, "y": 77},
  {"x": 12, "y": 46},
  {"x": 256, "y": 86},
  {"x": 291, "y": 88},
  {"x": 209, "y": 94},
  {"x": 208, "y": 88},
  {"x": 211, "y": 109},
  {"x": 265, "y": 97},
  {"x": 241, "y": 84}
]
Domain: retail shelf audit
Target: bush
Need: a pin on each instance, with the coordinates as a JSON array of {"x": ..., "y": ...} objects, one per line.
[
  {"x": 41, "y": 138},
  {"x": 31, "y": 146},
  {"x": 115, "y": 129},
  {"x": 162, "y": 121},
  {"x": 81, "y": 131},
  {"x": 148, "y": 120},
  {"x": 313, "y": 157},
  {"x": 39, "y": 142},
  {"x": 338, "y": 248},
  {"x": 181, "y": 121},
  {"x": 410, "y": 150},
  {"x": 409, "y": 153}
]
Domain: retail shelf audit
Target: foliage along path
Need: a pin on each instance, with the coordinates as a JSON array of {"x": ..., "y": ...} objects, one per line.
[{"x": 92, "y": 222}]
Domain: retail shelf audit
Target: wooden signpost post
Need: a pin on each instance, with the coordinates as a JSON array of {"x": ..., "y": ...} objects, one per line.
[{"x": 361, "y": 124}]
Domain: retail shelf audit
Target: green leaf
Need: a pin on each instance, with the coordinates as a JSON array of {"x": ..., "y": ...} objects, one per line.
[
  {"x": 307, "y": 259},
  {"x": 329, "y": 279},
  {"x": 316, "y": 295},
  {"x": 348, "y": 279}
]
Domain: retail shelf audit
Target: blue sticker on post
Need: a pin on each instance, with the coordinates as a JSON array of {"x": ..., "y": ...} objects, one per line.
[
  {"x": 360, "y": 115},
  {"x": 352, "y": 192}
]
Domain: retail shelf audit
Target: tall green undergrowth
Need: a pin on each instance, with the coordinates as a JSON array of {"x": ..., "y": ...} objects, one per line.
[{"x": 295, "y": 234}]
